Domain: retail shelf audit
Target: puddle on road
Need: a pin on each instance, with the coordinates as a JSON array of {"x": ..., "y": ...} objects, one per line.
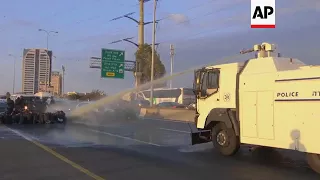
[{"x": 73, "y": 137}]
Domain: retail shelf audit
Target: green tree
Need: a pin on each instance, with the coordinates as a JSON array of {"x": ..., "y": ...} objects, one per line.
[
  {"x": 73, "y": 96},
  {"x": 98, "y": 92},
  {"x": 144, "y": 59},
  {"x": 93, "y": 95}
]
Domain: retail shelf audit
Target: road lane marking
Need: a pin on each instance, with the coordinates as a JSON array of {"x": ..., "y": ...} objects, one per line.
[
  {"x": 175, "y": 130},
  {"x": 123, "y": 137},
  {"x": 59, "y": 156}
]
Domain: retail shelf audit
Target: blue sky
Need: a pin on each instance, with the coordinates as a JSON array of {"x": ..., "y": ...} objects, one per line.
[{"x": 194, "y": 27}]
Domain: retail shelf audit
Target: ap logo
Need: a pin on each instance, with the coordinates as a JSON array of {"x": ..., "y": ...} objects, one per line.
[{"x": 263, "y": 14}]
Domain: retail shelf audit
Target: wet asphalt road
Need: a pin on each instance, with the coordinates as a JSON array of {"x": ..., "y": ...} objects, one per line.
[{"x": 135, "y": 149}]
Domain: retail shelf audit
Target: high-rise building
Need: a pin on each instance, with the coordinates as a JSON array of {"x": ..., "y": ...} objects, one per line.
[
  {"x": 36, "y": 69},
  {"x": 56, "y": 83}
]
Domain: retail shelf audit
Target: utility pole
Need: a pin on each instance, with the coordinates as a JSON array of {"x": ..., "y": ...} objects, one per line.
[
  {"x": 141, "y": 25},
  {"x": 171, "y": 62},
  {"x": 138, "y": 73},
  {"x": 153, "y": 49}
]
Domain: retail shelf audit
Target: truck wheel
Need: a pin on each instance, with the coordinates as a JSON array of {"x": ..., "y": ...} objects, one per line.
[
  {"x": 225, "y": 140},
  {"x": 314, "y": 162}
]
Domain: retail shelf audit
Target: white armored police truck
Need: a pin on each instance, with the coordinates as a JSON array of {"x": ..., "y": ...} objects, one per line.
[{"x": 269, "y": 101}]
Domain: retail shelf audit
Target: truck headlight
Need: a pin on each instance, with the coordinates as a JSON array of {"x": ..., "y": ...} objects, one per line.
[{"x": 25, "y": 107}]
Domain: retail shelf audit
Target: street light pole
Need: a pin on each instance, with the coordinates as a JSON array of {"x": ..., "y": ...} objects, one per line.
[
  {"x": 14, "y": 73},
  {"x": 48, "y": 58},
  {"x": 153, "y": 50},
  {"x": 63, "y": 71},
  {"x": 171, "y": 62}
]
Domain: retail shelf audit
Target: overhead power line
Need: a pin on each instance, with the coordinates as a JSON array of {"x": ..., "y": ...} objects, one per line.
[
  {"x": 163, "y": 18},
  {"x": 196, "y": 17},
  {"x": 68, "y": 12},
  {"x": 182, "y": 22},
  {"x": 182, "y": 39},
  {"x": 188, "y": 36}
]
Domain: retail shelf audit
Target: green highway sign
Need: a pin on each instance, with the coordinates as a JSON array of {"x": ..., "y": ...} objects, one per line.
[{"x": 112, "y": 63}]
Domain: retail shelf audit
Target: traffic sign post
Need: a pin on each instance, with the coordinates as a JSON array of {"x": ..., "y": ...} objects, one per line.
[{"x": 112, "y": 63}]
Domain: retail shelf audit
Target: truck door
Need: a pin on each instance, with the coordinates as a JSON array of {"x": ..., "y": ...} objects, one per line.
[
  {"x": 210, "y": 83},
  {"x": 208, "y": 96}
]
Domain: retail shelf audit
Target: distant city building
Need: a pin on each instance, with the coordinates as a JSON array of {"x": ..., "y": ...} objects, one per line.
[
  {"x": 56, "y": 82},
  {"x": 34, "y": 65}
]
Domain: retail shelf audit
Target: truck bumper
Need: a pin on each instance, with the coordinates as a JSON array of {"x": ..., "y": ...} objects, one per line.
[
  {"x": 196, "y": 118},
  {"x": 200, "y": 137}
]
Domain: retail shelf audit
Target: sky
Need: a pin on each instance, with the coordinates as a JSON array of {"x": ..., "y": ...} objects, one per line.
[{"x": 202, "y": 32}]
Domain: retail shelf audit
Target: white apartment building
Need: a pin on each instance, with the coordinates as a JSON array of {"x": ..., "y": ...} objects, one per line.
[{"x": 36, "y": 69}]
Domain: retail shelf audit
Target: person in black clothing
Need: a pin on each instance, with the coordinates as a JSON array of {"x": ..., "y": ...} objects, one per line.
[
  {"x": 19, "y": 104},
  {"x": 10, "y": 106},
  {"x": 22, "y": 102},
  {"x": 17, "y": 100},
  {"x": 18, "y": 108},
  {"x": 10, "y": 109}
]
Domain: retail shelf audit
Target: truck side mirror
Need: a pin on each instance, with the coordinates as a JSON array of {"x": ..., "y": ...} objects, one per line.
[{"x": 196, "y": 83}]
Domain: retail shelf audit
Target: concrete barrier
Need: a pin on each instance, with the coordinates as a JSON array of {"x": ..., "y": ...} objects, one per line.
[{"x": 168, "y": 113}]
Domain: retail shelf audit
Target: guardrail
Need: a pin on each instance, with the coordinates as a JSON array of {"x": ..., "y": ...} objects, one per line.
[{"x": 168, "y": 113}]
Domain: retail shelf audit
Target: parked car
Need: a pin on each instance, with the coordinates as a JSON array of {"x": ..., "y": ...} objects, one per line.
[
  {"x": 191, "y": 106},
  {"x": 141, "y": 103},
  {"x": 170, "y": 105},
  {"x": 3, "y": 106}
]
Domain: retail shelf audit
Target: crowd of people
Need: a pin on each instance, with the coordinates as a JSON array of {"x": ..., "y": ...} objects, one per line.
[
  {"x": 30, "y": 110},
  {"x": 16, "y": 105},
  {"x": 20, "y": 103}
]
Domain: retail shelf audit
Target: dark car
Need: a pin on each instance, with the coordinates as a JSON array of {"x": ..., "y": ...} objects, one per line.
[
  {"x": 3, "y": 107},
  {"x": 141, "y": 103},
  {"x": 170, "y": 105},
  {"x": 191, "y": 106}
]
